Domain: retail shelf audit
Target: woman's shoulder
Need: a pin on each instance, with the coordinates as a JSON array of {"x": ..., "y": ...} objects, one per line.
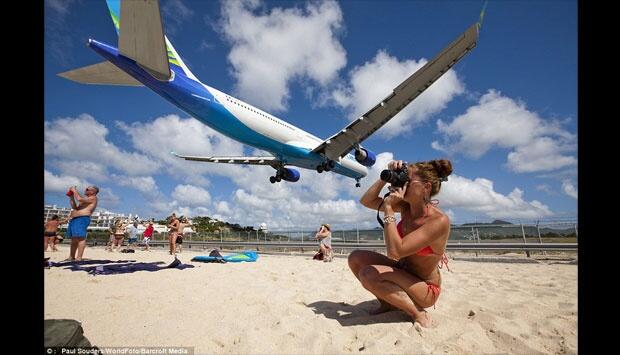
[{"x": 440, "y": 218}]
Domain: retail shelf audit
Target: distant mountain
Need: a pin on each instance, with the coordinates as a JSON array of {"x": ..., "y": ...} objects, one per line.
[{"x": 497, "y": 221}]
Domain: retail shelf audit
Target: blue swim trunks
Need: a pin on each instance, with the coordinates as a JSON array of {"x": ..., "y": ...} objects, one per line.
[{"x": 77, "y": 227}]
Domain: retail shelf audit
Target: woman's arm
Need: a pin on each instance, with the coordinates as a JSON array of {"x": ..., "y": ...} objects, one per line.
[
  {"x": 372, "y": 200},
  {"x": 413, "y": 242}
]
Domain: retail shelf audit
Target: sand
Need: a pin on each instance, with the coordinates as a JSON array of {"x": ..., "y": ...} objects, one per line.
[{"x": 290, "y": 304}]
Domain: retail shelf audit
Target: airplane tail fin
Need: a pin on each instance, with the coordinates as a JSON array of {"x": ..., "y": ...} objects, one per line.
[{"x": 145, "y": 22}]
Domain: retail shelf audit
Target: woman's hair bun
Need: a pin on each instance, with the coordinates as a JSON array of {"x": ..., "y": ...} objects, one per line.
[{"x": 443, "y": 167}]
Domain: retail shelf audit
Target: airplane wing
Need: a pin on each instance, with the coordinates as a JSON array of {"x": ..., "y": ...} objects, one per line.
[
  {"x": 352, "y": 135},
  {"x": 266, "y": 160}
]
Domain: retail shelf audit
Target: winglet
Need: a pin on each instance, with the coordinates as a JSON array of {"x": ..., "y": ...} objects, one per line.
[{"x": 484, "y": 7}]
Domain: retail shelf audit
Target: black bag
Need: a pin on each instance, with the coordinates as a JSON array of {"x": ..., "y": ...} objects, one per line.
[
  {"x": 128, "y": 251},
  {"x": 64, "y": 333},
  {"x": 318, "y": 256}
]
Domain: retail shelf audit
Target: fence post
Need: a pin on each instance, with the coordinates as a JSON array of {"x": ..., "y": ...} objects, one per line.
[
  {"x": 576, "y": 236},
  {"x": 539, "y": 238},
  {"x": 527, "y": 252}
]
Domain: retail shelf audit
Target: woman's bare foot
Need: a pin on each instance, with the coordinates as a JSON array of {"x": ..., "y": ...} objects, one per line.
[
  {"x": 383, "y": 307},
  {"x": 424, "y": 319}
]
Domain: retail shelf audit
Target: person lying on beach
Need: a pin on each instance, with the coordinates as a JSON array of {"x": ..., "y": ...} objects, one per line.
[{"x": 408, "y": 278}]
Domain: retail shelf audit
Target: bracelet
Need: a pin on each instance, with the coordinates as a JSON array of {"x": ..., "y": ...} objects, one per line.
[{"x": 389, "y": 219}]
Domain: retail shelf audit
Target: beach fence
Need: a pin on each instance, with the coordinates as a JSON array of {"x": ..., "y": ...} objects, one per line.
[{"x": 522, "y": 236}]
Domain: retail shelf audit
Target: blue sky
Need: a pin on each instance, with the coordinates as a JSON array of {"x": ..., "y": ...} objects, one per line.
[{"x": 506, "y": 115}]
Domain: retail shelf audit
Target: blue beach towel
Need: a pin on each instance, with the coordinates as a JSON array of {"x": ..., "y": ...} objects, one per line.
[{"x": 215, "y": 257}]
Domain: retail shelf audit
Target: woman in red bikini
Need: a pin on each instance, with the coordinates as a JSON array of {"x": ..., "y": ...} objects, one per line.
[{"x": 408, "y": 277}]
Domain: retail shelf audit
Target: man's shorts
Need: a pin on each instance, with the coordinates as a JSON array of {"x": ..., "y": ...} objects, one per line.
[
  {"x": 132, "y": 240},
  {"x": 146, "y": 240},
  {"x": 77, "y": 227}
]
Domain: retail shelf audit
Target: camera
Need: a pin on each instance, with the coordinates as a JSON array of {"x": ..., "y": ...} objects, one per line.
[{"x": 398, "y": 177}]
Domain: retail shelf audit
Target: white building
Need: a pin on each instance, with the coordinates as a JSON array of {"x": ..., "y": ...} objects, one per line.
[{"x": 99, "y": 219}]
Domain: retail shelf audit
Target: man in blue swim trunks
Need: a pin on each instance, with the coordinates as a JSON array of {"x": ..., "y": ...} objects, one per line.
[{"x": 80, "y": 218}]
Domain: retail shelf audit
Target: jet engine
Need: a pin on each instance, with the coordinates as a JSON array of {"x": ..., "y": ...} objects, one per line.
[{"x": 365, "y": 157}]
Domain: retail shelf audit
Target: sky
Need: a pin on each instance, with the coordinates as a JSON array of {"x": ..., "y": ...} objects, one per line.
[{"x": 505, "y": 115}]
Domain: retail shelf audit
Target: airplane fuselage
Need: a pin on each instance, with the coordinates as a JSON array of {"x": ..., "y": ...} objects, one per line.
[{"x": 233, "y": 117}]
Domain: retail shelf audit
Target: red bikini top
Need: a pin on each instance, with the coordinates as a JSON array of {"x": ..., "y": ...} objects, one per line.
[{"x": 426, "y": 250}]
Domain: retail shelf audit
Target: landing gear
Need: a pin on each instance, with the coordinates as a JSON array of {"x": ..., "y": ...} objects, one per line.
[
  {"x": 357, "y": 183},
  {"x": 277, "y": 178},
  {"x": 326, "y": 166}
]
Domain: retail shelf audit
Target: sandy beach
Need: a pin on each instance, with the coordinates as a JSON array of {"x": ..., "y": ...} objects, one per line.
[{"x": 290, "y": 304}]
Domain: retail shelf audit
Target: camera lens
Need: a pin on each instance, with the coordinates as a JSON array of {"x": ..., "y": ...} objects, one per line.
[
  {"x": 388, "y": 176},
  {"x": 397, "y": 178}
]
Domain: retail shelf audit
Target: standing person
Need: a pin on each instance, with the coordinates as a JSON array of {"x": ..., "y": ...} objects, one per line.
[
  {"x": 119, "y": 234},
  {"x": 173, "y": 233},
  {"x": 51, "y": 232},
  {"x": 80, "y": 219},
  {"x": 112, "y": 231},
  {"x": 132, "y": 230},
  {"x": 408, "y": 278},
  {"x": 324, "y": 236},
  {"x": 148, "y": 233},
  {"x": 181, "y": 227}
]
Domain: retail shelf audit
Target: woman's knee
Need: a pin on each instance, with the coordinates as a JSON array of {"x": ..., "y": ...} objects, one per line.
[
  {"x": 369, "y": 275},
  {"x": 355, "y": 258}
]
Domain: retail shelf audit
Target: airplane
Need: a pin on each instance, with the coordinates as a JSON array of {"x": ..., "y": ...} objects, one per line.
[{"x": 145, "y": 57}]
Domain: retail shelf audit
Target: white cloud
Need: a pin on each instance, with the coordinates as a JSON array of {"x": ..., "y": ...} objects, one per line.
[
  {"x": 82, "y": 169},
  {"x": 144, "y": 184},
  {"x": 175, "y": 13},
  {"x": 545, "y": 188},
  {"x": 84, "y": 139},
  {"x": 223, "y": 207},
  {"x": 372, "y": 82},
  {"x": 183, "y": 136},
  {"x": 54, "y": 183},
  {"x": 541, "y": 154},
  {"x": 60, "y": 184},
  {"x": 59, "y": 7},
  {"x": 269, "y": 50},
  {"x": 191, "y": 195},
  {"x": 538, "y": 144},
  {"x": 107, "y": 199},
  {"x": 59, "y": 37},
  {"x": 569, "y": 189},
  {"x": 478, "y": 195}
]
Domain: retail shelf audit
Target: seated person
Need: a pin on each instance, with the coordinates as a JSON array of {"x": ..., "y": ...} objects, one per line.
[{"x": 324, "y": 235}]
